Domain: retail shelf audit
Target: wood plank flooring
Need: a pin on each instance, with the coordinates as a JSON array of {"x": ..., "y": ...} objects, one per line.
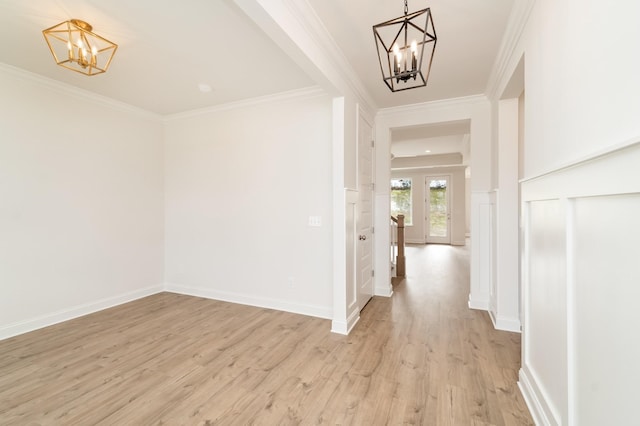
[{"x": 421, "y": 357}]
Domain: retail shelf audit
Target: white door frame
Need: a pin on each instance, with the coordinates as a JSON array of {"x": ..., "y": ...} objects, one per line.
[
  {"x": 365, "y": 243},
  {"x": 427, "y": 204}
]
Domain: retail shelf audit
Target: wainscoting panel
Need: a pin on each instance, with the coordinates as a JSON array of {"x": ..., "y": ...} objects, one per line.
[
  {"x": 581, "y": 286},
  {"x": 607, "y": 290},
  {"x": 545, "y": 298}
]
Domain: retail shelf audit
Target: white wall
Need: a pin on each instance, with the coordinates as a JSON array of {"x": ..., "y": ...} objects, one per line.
[
  {"x": 581, "y": 201},
  {"x": 416, "y": 233},
  {"x": 241, "y": 184},
  {"x": 505, "y": 296},
  {"x": 81, "y": 203}
]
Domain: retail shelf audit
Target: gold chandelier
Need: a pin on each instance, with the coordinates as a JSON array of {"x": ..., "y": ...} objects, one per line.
[{"x": 75, "y": 47}]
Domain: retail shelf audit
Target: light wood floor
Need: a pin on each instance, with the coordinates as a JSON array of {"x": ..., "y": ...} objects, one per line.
[{"x": 420, "y": 357}]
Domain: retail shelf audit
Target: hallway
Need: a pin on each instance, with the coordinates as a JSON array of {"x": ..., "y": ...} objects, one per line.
[{"x": 456, "y": 365}]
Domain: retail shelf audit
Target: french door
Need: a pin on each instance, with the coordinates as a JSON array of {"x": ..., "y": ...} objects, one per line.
[{"x": 438, "y": 210}]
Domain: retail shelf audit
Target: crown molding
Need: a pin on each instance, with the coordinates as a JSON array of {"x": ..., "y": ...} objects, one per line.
[
  {"x": 515, "y": 27},
  {"x": 298, "y": 94},
  {"x": 67, "y": 89},
  {"x": 464, "y": 101},
  {"x": 315, "y": 28}
]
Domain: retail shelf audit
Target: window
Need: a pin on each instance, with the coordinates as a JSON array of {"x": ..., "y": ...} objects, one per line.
[{"x": 401, "y": 199}]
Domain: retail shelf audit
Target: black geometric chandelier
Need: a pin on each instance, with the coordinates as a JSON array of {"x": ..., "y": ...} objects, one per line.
[{"x": 405, "y": 49}]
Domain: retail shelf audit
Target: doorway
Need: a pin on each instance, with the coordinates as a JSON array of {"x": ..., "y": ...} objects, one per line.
[
  {"x": 364, "y": 215},
  {"x": 438, "y": 209}
]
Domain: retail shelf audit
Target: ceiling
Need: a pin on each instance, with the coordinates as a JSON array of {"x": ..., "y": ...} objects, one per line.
[
  {"x": 168, "y": 49},
  {"x": 469, "y": 35},
  {"x": 430, "y": 140}
]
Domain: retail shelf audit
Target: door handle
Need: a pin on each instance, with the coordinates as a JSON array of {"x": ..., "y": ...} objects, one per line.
[{"x": 362, "y": 237}]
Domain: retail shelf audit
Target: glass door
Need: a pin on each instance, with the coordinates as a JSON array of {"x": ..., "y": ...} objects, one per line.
[{"x": 438, "y": 216}]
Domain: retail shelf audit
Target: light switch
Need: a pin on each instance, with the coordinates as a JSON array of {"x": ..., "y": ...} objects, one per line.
[{"x": 315, "y": 221}]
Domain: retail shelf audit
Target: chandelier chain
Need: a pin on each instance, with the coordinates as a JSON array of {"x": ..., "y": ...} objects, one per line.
[{"x": 406, "y": 8}]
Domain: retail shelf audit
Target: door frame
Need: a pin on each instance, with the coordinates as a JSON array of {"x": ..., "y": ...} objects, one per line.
[
  {"x": 370, "y": 235},
  {"x": 427, "y": 204}
]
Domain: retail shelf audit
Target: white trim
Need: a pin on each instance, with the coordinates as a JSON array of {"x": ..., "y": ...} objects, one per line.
[
  {"x": 408, "y": 241},
  {"x": 75, "y": 312},
  {"x": 298, "y": 94},
  {"x": 385, "y": 291},
  {"x": 611, "y": 149},
  {"x": 442, "y": 166},
  {"x": 481, "y": 304},
  {"x": 572, "y": 336},
  {"x": 67, "y": 89},
  {"x": 245, "y": 299},
  {"x": 345, "y": 328},
  {"x": 315, "y": 29},
  {"x": 463, "y": 101},
  {"x": 516, "y": 24},
  {"x": 578, "y": 179},
  {"x": 533, "y": 396},
  {"x": 574, "y": 181},
  {"x": 506, "y": 324}
]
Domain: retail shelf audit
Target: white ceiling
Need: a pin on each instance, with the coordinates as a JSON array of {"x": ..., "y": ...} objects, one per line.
[
  {"x": 435, "y": 139},
  {"x": 165, "y": 50},
  {"x": 168, "y": 48},
  {"x": 469, "y": 35}
]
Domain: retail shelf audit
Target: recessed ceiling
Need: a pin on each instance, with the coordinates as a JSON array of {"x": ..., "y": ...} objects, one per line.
[{"x": 433, "y": 139}]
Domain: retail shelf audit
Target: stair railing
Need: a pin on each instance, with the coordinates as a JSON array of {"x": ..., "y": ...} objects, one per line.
[{"x": 397, "y": 245}]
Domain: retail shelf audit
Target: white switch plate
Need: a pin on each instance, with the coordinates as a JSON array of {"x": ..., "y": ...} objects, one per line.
[{"x": 315, "y": 221}]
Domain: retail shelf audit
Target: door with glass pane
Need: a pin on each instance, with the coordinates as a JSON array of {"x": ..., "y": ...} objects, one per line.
[{"x": 437, "y": 209}]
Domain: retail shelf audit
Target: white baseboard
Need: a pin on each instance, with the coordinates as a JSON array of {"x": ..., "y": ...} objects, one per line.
[
  {"x": 533, "y": 396},
  {"x": 458, "y": 242},
  {"x": 386, "y": 291},
  {"x": 408, "y": 241},
  {"x": 75, "y": 312},
  {"x": 505, "y": 324},
  {"x": 345, "y": 328},
  {"x": 261, "y": 302},
  {"x": 480, "y": 304}
]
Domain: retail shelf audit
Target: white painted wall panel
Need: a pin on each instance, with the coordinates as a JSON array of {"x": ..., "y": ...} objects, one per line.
[
  {"x": 607, "y": 290},
  {"x": 81, "y": 204},
  {"x": 240, "y": 187},
  {"x": 545, "y": 353},
  {"x": 581, "y": 96}
]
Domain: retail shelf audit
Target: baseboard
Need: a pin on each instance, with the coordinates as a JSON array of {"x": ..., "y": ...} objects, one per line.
[
  {"x": 75, "y": 312},
  {"x": 260, "y": 302},
  {"x": 459, "y": 242},
  {"x": 533, "y": 396},
  {"x": 480, "y": 304},
  {"x": 386, "y": 291},
  {"x": 345, "y": 328},
  {"x": 504, "y": 324},
  {"x": 407, "y": 241}
]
